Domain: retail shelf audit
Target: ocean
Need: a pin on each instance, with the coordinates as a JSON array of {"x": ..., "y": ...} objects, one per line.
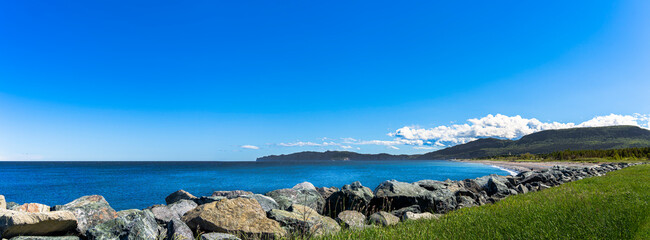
[{"x": 127, "y": 185}]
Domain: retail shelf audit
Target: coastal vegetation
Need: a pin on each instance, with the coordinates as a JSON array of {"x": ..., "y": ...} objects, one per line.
[
  {"x": 615, "y": 206},
  {"x": 607, "y": 155},
  {"x": 543, "y": 142}
]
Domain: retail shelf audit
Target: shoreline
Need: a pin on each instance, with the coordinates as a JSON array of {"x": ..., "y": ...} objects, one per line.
[
  {"x": 518, "y": 167},
  {"x": 282, "y": 212}
]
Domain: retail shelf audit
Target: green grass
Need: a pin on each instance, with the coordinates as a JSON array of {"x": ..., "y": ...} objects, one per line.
[{"x": 614, "y": 206}]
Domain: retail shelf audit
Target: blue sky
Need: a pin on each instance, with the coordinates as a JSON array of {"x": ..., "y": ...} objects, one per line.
[{"x": 175, "y": 80}]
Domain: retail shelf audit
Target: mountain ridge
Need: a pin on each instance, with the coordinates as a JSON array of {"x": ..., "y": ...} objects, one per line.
[{"x": 547, "y": 141}]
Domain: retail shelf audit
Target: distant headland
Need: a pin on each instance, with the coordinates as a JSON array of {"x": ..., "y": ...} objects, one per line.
[{"x": 593, "y": 138}]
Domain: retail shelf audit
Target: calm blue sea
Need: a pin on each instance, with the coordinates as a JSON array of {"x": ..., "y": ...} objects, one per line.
[{"x": 128, "y": 185}]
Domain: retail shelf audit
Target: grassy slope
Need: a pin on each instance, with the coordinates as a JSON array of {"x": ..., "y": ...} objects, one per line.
[{"x": 615, "y": 206}]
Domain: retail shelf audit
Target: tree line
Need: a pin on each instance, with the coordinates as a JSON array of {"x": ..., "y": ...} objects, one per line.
[{"x": 614, "y": 154}]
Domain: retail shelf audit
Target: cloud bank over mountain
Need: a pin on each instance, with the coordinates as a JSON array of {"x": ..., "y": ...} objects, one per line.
[
  {"x": 496, "y": 126},
  {"x": 502, "y": 126}
]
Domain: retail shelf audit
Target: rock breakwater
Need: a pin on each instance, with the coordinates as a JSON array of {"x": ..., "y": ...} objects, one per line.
[{"x": 303, "y": 210}]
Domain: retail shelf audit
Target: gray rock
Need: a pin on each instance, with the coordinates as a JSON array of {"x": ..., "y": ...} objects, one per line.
[
  {"x": 162, "y": 213},
  {"x": 352, "y": 196},
  {"x": 267, "y": 203},
  {"x": 31, "y": 207},
  {"x": 465, "y": 201},
  {"x": 10, "y": 205},
  {"x": 383, "y": 218},
  {"x": 208, "y": 199},
  {"x": 432, "y": 185},
  {"x": 303, "y": 196},
  {"x": 90, "y": 211},
  {"x": 139, "y": 225},
  {"x": 400, "y": 212},
  {"x": 395, "y": 195},
  {"x": 127, "y": 212},
  {"x": 522, "y": 188},
  {"x": 543, "y": 186},
  {"x": 473, "y": 186},
  {"x": 530, "y": 177},
  {"x": 181, "y": 207},
  {"x": 443, "y": 201},
  {"x": 304, "y": 185},
  {"x": 326, "y": 192},
  {"x": 231, "y": 194},
  {"x": 218, "y": 236},
  {"x": 177, "y": 230},
  {"x": 304, "y": 221},
  {"x": 179, "y": 195},
  {"x": 3, "y": 203},
  {"x": 352, "y": 219},
  {"x": 418, "y": 216},
  {"x": 497, "y": 186},
  {"x": 237, "y": 215},
  {"x": 45, "y": 238},
  {"x": 14, "y": 223}
]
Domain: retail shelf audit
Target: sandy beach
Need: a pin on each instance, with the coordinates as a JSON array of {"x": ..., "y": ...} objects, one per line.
[{"x": 526, "y": 166}]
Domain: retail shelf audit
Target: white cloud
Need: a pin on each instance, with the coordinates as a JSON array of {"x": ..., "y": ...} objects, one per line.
[
  {"x": 499, "y": 126},
  {"x": 424, "y": 147},
  {"x": 612, "y": 120},
  {"x": 502, "y": 126},
  {"x": 249, "y": 147}
]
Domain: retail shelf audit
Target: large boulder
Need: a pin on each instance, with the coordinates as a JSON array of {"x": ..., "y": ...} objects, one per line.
[
  {"x": 496, "y": 186},
  {"x": 178, "y": 230},
  {"x": 298, "y": 195},
  {"x": 182, "y": 206},
  {"x": 162, "y": 214},
  {"x": 45, "y": 238},
  {"x": 238, "y": 215},
  {"x": 391, "y": 195},
  {"x": 218, "y": 236},
  {"x": 304, "y": 185},
  {"x": 400, "y": 212},
  {"x": 383, "y": 218},
  {"x": 14, "y": 223},
  {"x": 432, "y": 185},
  {"x": 90, "y": 211},
  {"x": 267, "y": 203},
  {"x": 304, "y": 221},
  {"x": 418, "y": 216},
  {"x": 127, "y": 212},
  {"x": 326, "y": 192},
  {"x": 352, "y": 196},
  {"x": 137, "y": 225},
  {"x": 179, "y": 195},
  {"x": 522, "y": 188},
  {"x": 208, "y": 199},
  {"x": 10, "y": 205},
  {"x": 31, "y": 207},
  {"x": 352, "y": 219},
  {"x": 463, "y": 201},
  {"x": 535, "y": 176},
  {"x": 231, "y": 194},
  {"x": 395, "y": 195}
]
